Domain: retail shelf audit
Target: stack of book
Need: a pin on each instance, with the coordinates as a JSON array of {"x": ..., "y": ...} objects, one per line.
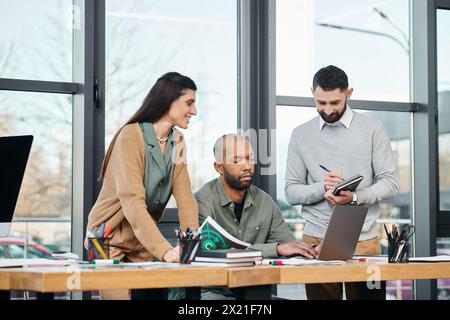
[{"x": 227, "y": 258}]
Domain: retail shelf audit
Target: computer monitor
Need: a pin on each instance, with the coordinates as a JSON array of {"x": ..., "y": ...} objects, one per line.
[{"x": 14, "y": 152}]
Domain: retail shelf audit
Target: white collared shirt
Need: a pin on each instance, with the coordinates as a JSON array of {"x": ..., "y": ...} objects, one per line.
[{"x": 346, "y": 119}]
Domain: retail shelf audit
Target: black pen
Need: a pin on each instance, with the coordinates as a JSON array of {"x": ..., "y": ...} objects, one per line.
[
  {"x": 388, "y": 235},
  {"x": 324, "y": 168}
]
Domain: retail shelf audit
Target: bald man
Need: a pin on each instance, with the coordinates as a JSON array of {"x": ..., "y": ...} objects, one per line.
[{"x": 244, "y": 210}]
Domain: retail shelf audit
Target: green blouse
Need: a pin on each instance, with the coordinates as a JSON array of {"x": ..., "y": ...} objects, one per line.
[{"x": 158, "y": 169}]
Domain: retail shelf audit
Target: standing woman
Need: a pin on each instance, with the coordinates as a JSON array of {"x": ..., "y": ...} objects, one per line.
[{"x": 144, "y": 165}]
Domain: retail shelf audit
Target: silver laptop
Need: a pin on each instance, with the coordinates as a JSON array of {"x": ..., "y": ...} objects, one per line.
[{"x": 343, "y": 233}]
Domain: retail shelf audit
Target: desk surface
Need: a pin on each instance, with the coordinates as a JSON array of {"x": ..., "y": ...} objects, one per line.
[
  {"x": 4, "y": 281},
  {"x": 352, "y": 271},
  {"x": 74, "y": 279},
  {"x": 68, "y": 279}
]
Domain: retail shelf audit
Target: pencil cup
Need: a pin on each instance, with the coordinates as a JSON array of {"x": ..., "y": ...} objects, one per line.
[
  {"x": 98, "y": 248},
  {"x": 391, "y": 251},
  {"x": 188, "y": 248},
  {"x": 398, "y": 252}
]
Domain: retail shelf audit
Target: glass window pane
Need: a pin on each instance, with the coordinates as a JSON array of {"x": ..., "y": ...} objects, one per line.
[
  {"x": 145, "y": 39},
  {"x": 398, "y": 126},
  {"x": 46, "y": 188},
  {"x": 443, "y": 248},
  {"x": 443, "y": 46},
  {"x": 397, "y": 210},
  {"x": 38, "y": 43},
  {"x": 352, "y": 35}
]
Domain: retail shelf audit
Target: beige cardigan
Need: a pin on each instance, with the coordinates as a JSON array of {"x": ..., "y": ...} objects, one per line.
[{"x": 121, "y": 202}]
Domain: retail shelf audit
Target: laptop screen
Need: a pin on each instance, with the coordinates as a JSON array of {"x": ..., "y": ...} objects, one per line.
[{"x": 14, "y": 153}]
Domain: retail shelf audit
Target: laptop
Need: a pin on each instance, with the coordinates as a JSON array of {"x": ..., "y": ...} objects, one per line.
[
  {"x": 343, "y": 233},
  {"x": 14, "y": 152}
]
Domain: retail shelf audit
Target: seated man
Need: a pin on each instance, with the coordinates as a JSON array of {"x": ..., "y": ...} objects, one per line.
[{"x": 245, "y": 211}]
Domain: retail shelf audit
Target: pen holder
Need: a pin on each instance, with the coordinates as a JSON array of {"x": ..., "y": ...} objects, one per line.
[
  {"x": 98, "y": 248},
  {"x": 398, "y": 252},
  {"x": 188, "y": 249}
]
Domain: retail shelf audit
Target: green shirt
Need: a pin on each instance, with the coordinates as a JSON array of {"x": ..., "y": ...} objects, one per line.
[
  {"x": 261, "y": 224},
  {"x": 158, "y": 169}
]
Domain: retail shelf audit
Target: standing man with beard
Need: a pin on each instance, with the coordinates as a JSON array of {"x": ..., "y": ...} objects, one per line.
[
  {"x": 244, "y": 210},
  {"x": 346, "y": 143}
]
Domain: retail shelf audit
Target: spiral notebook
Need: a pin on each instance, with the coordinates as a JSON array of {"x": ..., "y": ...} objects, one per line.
[{"x": 349, "y": 184}]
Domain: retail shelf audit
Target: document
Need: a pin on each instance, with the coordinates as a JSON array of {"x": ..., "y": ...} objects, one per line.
[
  {"x": 300, "y": 262},
  {"x": 23, "y": 263},
  {"x": 442, "y": 258}
]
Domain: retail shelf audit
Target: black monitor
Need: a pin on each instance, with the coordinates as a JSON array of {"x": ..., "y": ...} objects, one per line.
[{"x": 14, "y": 152}]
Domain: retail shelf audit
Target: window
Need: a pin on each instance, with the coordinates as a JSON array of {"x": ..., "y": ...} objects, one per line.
[
  {"x": 45, "y": 194},
  {"x": 443, "y": 248},
  {"x": 36, "y": 39},
  {"x": 398, "y": 126},
  {"x": 197, "y": 38},
  {"x": 393, "y": 211},
  {"x": 443, "y": 46},
  {"x": 368, "y": 39}
]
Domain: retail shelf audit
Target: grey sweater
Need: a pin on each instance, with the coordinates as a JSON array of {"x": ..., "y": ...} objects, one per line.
[{"x": 362, "y": 148}]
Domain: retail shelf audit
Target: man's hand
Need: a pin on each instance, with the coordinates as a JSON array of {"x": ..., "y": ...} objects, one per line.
[
  {"x": 297, "y": 247},
  {"x": 331, "y": 179},
  {"x": 172, "y": 255},
  {"x": 345, "y": 197},
  {"x": 318, "y": 248}
]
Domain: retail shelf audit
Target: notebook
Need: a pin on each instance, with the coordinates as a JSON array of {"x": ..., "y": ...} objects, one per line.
[{"x": 349, "y": 184}]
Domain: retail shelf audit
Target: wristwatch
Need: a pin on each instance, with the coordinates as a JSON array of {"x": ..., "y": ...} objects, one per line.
[{"x": 355, "y": 200}]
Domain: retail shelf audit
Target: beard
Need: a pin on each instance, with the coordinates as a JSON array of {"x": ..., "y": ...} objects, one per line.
[
  {"x": 335, "y": 116},
  {"x": 235, "y": 183}
]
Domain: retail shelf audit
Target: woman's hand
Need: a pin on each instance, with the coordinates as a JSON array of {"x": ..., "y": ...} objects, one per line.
[{"x": 172, "y": 255}]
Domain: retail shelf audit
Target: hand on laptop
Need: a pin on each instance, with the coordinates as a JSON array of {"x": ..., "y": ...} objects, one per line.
[
  {"x": 345, "y": 197},
  {"x": 317, "y": 248},
  {"x": 296, "y": 248}
]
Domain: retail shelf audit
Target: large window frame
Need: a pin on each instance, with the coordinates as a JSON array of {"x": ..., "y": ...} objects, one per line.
[
  {"x": 257, "y": 102},
  {"x": 261, "y": 114},
  {"x": 443, "y": 217}
]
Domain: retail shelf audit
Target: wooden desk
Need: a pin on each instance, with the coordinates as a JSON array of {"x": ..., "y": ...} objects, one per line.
[
  {"x": 4, "y": 281},
  {"x": 50, "y": 280},
  {"x": 259, "y": 278},
  {"x": 4, "y": 286},
  {"x": 354, "y": 271}
]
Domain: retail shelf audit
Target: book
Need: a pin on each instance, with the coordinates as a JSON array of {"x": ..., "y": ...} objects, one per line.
[
  {"x": 228, "y": 260},
  {"x": 223, "y": 264},
  {"x": 229, "y": 253},
  {"x": 349, "y": 184},
  {"x": 215, "y": 237}
]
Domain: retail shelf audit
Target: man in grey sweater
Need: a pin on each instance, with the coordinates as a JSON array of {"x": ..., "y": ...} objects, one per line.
[{"x": 346, "y": 143}]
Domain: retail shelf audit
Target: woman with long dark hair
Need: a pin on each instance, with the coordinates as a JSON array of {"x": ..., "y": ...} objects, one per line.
[{"x": 144, "y": 165}]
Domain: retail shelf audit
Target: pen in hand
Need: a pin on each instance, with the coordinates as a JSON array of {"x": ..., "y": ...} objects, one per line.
[{"x": 324, "y": 168}]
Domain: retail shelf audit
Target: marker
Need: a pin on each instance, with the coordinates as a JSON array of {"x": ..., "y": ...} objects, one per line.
[
  {"x": 107, "y": 232},
  {"x": 102, "y": 229},
  {"x": 99, "y": 248},
  {"x": 105, "y": 262},
  {"x": 277, "y": 263}
]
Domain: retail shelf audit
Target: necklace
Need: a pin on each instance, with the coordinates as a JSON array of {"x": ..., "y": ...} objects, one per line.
[{"x": 162, "y": 140}]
